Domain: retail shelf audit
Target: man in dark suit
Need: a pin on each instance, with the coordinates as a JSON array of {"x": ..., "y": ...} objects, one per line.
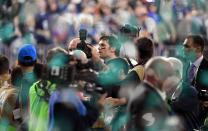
[
  {"x": 147, "y": 106},
  {"x": 197, "y": 64},
  {"x": 197, "y": 69}
]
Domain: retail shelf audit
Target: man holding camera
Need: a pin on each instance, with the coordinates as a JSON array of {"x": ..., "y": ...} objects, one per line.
[
  {"x": 39, "y": 94},
  {"x": 112, "y": 71},
  {"x": 197, "y": 70}
]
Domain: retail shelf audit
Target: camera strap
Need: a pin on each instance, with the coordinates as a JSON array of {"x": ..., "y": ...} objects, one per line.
[
  {"x": 17, "y": 112},
  {"x": 129, "y": 61}
]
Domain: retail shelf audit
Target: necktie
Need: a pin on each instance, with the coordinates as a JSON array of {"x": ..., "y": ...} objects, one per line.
[{"x": 191, "y": 72}]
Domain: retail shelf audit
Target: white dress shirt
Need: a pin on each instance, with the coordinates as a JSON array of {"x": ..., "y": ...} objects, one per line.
[{"x": 197, "y": 64}]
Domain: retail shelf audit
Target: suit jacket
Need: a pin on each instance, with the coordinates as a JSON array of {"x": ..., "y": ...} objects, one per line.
[
  {"x": 185, "y": 104},
  {"x": 148, "y": 111},
  {"x": 200, "y": 81}
]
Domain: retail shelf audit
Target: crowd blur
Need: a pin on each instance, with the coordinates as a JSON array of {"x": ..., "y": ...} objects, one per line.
[
  {"x": 48, "y": 23},
  {"x": 118, "y": 65}
]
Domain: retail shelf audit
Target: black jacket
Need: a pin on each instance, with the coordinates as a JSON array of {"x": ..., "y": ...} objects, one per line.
[
  {"x": 148, "y": 111},
  {"x": 186, "y": 105},
  {"x": 200, "y": 82}
]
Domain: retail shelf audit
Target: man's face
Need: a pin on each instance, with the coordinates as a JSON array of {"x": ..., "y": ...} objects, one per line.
[
  {"x": 189, "y": 49},
  {"x": 104, "y": 49}
]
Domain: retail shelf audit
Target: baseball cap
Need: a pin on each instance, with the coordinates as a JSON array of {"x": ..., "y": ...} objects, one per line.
[{"x": 27, "y": 54}]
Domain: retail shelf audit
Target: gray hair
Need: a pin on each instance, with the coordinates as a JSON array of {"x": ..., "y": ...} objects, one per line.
[
  {"x": 178, "y": 66},
  {"x": 159, "y": 66}
]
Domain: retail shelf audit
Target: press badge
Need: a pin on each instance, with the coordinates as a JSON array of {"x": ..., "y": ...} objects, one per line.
[{"x": 17, "y": 113}]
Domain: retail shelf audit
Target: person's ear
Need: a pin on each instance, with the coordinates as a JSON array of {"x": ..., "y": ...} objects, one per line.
[
  {"x": 170, "y": 83},
  {"x": 151, "y": 73},
  {"x": 198, "y": 49}
]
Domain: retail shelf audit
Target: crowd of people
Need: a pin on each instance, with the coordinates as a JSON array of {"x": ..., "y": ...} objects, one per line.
[
  {"x": 49, "y": 23},
  {"x": 103, "y": 65}
]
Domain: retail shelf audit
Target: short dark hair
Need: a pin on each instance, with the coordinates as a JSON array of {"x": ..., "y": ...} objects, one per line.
[
  {"x": 145, "y": 47},
  {"x": 4, "y": 64},
  {"x": 26, "y": 64},
  {"x": 113, "y": 42},
  {"x": 16, "y": 76},
  {"x": 197, "y": 41}
]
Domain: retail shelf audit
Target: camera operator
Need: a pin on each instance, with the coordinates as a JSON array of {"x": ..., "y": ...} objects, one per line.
[
  {"x": 38, "y": 99},
  {"x": 76, "y": 107},
  {"x": 60, "y": 75}
]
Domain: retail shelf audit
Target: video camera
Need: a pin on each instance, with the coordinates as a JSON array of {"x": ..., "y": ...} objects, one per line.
[
  {"x": 83, "y": 45},
  {"x": 203, "y": 95},
  {"x": 74, "y": 76},
  {"x": 61, "y": 75},
  {"x": 82, "y": 80},
  {"x": 69, "y": 73}
]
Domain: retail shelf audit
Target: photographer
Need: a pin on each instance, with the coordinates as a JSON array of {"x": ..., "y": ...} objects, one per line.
[
  {"x": 62, "y": 75},
  {"x": 90, "y": 51},
  {"x": 38, "y": 108},
  {"x": 76, "y": 105}
]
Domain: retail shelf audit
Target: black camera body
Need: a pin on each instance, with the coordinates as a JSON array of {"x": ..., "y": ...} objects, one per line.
[
  {"x": 69, "y": 73},
  {"x": 60, "y": 75},
  {"x": 203, "y": 95},
  {"x": 83, "y": 45}
]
